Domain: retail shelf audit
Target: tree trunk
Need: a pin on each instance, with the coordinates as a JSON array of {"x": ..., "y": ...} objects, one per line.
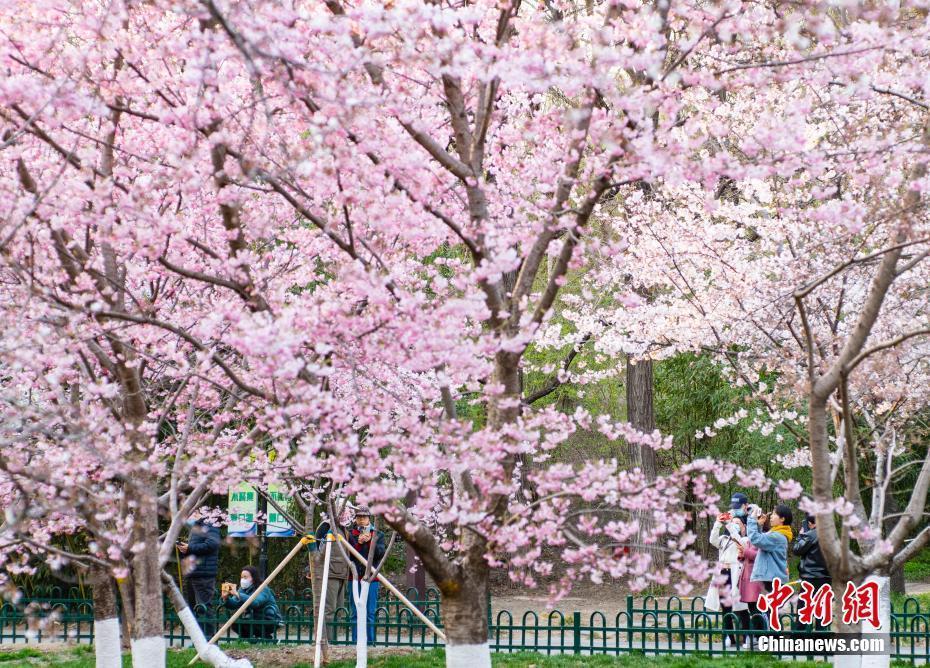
[
  {"x": 884, "y": 621},
  {"x": 898, "y": 584},
  {"x": 465, "y": 621},
  {"x": 884, "y": 626},
  {"x": 148, "y": 642},
  {"x": 316, "y": 582},
  {"x": 360, "y": 596},
  {"x": 640, "y": 414},
  {"x": 107, "y": 647},
  {"x": 210, "y": 654},
  {"x": 897, "y": 574},
  {"x": 464, "y": 596},
  {"x": 839, "y": 586}
]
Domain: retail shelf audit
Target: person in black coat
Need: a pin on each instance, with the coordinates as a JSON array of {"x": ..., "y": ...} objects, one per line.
[
  {"x": 813, "y": 567},
  {"x": 202, "y": 557},
  {"x": 339, "y": 576}
]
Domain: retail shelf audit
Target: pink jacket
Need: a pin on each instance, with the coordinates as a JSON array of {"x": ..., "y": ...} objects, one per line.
[{"x": 749, "y": 591}]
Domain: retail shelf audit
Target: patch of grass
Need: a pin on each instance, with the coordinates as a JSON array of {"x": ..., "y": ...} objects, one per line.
[
  {"x": 18, "y": 654},
  {"x": 918, "y": 568},
  {"x": 82, "y": 657},
  {"x": 897, "y": 600},
  {"x": 436, "y": 659}
]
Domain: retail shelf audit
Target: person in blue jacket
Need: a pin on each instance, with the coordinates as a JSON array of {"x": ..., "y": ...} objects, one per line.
[
  {"x": 772, "y": 557},
  {"x": 202, "y": 557},
  {"x": 261, "y": 618}
]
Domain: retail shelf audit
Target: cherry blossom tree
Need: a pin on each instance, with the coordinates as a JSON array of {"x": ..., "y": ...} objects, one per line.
[
  {"x": 815, "y": 274},
  {"x": 332, "y": 230}
]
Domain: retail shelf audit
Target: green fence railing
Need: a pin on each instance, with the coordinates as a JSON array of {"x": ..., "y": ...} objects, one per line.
[{"x": 649, "y": 625}]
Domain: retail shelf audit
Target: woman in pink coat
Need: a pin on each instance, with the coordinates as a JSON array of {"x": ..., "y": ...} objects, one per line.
[{"x": 750, "y": 591}]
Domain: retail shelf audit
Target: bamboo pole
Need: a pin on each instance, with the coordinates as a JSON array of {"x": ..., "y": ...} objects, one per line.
[
  {"x": 403, "y": 599},
  {"x": 306, "y": 540},
  {"x": 321, "y": 618}
]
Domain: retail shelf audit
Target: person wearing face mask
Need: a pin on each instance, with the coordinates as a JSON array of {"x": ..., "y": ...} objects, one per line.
[
  {"x": 201, "y": 558},
  {"x": 261, "y": 618},
  {"x": 728, "y": 536},
  {"x": 739, "y": 506}
]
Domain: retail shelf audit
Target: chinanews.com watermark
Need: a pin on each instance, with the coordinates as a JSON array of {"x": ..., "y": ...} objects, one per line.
[
  {"x": 826, "y": 643},
  {"x": 859, "y": 604}
]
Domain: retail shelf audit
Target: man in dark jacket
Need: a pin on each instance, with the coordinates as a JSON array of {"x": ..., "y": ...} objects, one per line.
[
  {"x": 362, "y": 536},
  {"x": 337, "y": 582},
  {"x": 202, "y": 551},
  {"x": 813, "y": 567}
]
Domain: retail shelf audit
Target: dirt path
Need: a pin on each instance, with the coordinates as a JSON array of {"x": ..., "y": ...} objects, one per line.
[
  {"x": 585, "y": 599},
  {"x": 918, "y": 587}
]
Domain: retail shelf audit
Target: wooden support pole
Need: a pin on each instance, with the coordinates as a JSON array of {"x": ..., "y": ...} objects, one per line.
[
  {"x": 306, "y": 540},
  {"x": 403, "y": 599},
  {"x": 321, "y": 617}
]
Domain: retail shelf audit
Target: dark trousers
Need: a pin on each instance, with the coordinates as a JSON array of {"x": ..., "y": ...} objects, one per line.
[
  {"x": 751, "y": 620},
  {"x": 817, "y": 627},
  {"x": 729, "y": 617},
  {"x": 255, "y": 630},
  {"x": 817, "y": 583},
  {"x": 199, "y": 591}
]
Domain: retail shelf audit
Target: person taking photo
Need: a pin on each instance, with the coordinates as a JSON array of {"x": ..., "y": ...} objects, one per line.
[
  {"x": 728, "y": 536},
  {"x": 772, "y": 556}
]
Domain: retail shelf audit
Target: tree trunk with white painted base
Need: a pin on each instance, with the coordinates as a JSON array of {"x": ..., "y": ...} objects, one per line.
[
  {"x": 866, "y": 627},
  {"x": 360, "y": 596},
  {"x": 464, "y": 616},
  {"x": 210, "y": 654},
  {"x": 107, "y": 648},
  {"x": 148, "y": 641}
]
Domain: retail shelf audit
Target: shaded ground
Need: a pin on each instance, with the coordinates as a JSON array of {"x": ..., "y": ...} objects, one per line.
[{"x": 585, "y": 598}]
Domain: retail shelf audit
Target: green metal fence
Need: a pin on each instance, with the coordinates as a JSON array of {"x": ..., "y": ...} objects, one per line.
[{"x": 648, "y": 625}]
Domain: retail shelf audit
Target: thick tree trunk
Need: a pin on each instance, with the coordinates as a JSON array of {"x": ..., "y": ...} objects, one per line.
[
  {"x": 897, "y": 582},
  {"x": 839, "y": 585},
  {"x": 316, "y": 582},
  {"x": 884, "y": 626},
  {"x": 640, "y": 414},
  {"x": 465, "y": 621},
  {"x": 897, "y": 574},
  {"x": 148, "y": 642},
  {"x": 107, "y": 647},
  {"x": 464, "y": 598}
]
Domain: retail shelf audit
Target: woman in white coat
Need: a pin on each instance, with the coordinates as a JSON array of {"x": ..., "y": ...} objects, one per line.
[{"x": 727, "y": 534}]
